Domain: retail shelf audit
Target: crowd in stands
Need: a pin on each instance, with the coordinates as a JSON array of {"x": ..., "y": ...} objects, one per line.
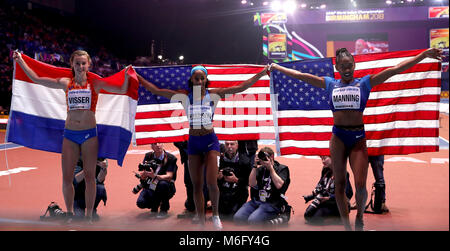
[{"x": 51, "y": 42}]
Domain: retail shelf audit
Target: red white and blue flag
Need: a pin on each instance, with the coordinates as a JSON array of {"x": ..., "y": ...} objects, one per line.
[
  {"x": 401, "y": 116},
  {"x": 38, "y": 113},
  {"x": 243, "y": 116}
]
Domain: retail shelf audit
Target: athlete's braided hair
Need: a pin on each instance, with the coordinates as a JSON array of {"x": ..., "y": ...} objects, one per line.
[{"x": 343, "y": 52}]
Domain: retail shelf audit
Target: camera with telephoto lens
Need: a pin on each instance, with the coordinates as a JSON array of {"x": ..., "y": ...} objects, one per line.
[
  {"x": 146, "y": 166},
  {"x": 227, "y": 171},
  {"x": 262, "y": 156},
  {"x": 313, "y": 195},
  {"x": 312, "y": 208}
]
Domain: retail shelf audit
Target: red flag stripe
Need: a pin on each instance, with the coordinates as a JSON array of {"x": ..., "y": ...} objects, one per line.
[
  {"x": 394, "y": 150},
  {"x": 304, "y": 151},
  {"x": 402, "y": 133},
  {"x": 417, "y": 68},
  {"x": 403, "y": 100}
]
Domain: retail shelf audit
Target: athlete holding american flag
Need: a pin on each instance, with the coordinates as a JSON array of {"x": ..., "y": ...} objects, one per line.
[
  {"x": 203, "y": 147},
  {"x": 348, "y": 98}
]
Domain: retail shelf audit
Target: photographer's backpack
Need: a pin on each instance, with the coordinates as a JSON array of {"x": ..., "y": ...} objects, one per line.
[
  {"x": 54, "y": 212},
  {"x": 376, "y": 202}
]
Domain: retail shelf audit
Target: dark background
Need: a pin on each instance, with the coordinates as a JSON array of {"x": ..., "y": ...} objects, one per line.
[{"x": 203, "y": 31}]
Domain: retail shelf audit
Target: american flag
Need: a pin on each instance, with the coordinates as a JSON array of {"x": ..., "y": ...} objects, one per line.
[
  {"x": 401, "y": 116},
  {"x": 243, "y": 116}
]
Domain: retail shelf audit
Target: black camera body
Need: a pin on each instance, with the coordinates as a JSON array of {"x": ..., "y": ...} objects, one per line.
[
  {"x": 146, "y": 166},
  {"x": 262, "y": 156},
  {"x": 227, "y": 171},
  {"x": 313, "y": 195}
]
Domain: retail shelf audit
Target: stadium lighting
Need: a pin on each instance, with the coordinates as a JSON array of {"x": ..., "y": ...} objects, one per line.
[
  {"x": 303, "y": 5},
  {"x": 181, "y": 58},
  {"x": 389, "y": 2},
  {"x": 289, "y": 6},
  {"x": 323, "y": 6},
  {"x": 243, "y": 1},
  {"x": 265, "y": 3},
  {"x": 276, "y": 6},
  {"x": 160, "y": 57}
]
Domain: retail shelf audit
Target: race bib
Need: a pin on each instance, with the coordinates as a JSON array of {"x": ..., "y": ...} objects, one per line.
[
  {"x": 346, "y": 98},
  {"x": 263, "y": 195},
  {"x": 200, "y": 115},
  {"x": 79, "y": 99}
]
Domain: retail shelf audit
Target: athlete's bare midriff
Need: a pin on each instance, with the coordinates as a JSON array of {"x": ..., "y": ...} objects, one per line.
[
  {"x": 80, "y": 120},
  {"x": 348, "y": 118}
]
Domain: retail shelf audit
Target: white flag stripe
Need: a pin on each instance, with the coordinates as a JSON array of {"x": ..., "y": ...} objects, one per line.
[
  {"x": 244, "y": 130},
  {"x": 107, "y": 111},
  {"x": 242, "y": 104},
  {"x": 305, "y": 143},
  {"x": 305, "y": 114},
  {"x": 39, "y": 100},
  {"x": 406, "y": 93},
  {"x": 250, "y": 117},
  {"x": 408, "y": 141},
  {"x": 162, "y": 134},
  {"x": 159, "y": 107},
  {"x": 402, "y": 125},
  {"x": 414, "y": 76},
  {"x": 304, "y": 128}
]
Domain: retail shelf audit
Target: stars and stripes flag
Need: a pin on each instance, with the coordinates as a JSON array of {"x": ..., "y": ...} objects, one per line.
[
  {"x": 243, "y": 116},
  {"x": 401, "y": 116}
]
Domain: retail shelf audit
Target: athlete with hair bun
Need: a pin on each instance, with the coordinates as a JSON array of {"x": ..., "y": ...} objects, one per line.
[
  {"x": 203, "y": 145},
  {"x": 348, "y": 97}
]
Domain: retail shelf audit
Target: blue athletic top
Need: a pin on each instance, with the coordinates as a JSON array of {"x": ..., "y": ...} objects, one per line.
[
  {"x": 351, "y": 96},
  {"x": 200, "y": 113}
]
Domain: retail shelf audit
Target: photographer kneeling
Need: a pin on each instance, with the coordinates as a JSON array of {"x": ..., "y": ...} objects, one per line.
[
  {"x": 157, "y": 177},
  {"x": 323, "y": 205},
  {"x": 79, "y": 202},
  {"x": 234, "y": 170},
  {"x": 269, "y": 181}
]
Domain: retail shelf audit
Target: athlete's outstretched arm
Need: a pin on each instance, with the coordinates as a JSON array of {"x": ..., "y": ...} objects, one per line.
[
  {"x": 58, "y": 83},
  {"x": 99, "y": 84},
  {"x": 167, "y": 93},
  {"x": 382, "y": 76},
  {"x": 242, "y": 86},
  {"x": 306, "y": 77}
]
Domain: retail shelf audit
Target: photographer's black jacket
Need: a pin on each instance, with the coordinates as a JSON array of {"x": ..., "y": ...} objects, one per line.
[
  {"x": 169, "y": 163},
  {"x": 262, "y": 178},
  {"x": 325, "y": 176},
  {"x": 241, "y": 170}
]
